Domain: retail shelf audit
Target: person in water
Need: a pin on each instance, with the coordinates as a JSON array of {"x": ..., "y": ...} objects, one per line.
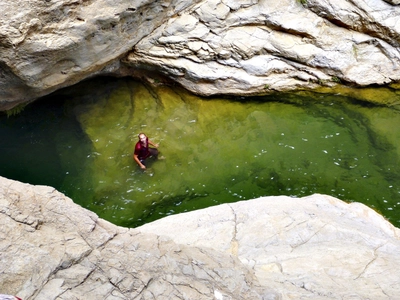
[{"x": 143, "y": 151}]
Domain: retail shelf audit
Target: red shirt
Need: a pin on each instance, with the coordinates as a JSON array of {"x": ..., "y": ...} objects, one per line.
[{"x": 142, "y": 151}]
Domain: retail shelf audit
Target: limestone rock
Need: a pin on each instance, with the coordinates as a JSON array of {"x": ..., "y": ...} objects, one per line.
[
  {"x": 51, "y": 248},
  {"x": 209, "y": 46},
  {"x": 255, "y": 46},
  {"x": 316, "y": 247},
  {"x": 46, "y": 45}
]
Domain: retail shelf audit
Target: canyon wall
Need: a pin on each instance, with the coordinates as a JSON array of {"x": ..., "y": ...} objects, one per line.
[
  {"x": 241, "y": 47},
  {"x": 316, "y": 247}
]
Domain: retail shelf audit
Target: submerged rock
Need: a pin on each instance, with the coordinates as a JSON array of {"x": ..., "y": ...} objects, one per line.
[
  {"x": 210, "y": 47},
  {"x": 316, "y": 247}
]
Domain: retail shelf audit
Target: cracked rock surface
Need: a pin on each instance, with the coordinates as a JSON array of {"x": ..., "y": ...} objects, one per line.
[
  {"x": 236, "y": 47},
  {"x": 316, "y": 247},
  {"x": 51, "y": 248}
]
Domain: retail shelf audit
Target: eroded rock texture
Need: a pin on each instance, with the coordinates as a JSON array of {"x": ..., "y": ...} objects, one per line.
[
  {"x": 316, "y": 247},
  {"x": 51, "y": 248},
  {"x": 211, "y": 47}
]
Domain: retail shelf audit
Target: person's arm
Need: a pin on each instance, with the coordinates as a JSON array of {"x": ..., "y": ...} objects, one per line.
[
  {"x": 136, "y": 158},
  {"x": 154, "y": 145}
]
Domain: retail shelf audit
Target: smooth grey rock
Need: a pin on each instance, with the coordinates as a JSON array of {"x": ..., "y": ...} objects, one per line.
[
  {"x": 47, "y": 45},
  {"x": 271, "y": 46},
  {"x": 51, "y": 248},
  {"x": 243, "y": 47},
  {"x": 316, "y": 247}
]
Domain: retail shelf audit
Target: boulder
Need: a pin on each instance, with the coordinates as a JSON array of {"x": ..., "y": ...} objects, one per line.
[
  {"x": 47, "y": 45},
  {"x": 316, "y": 247},
  {"x": 243, "y": 47}
]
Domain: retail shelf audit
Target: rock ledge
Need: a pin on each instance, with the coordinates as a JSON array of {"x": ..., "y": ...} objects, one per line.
[
  {"x": 316, "y": 247},
  {"x": 240, "y": 47}
]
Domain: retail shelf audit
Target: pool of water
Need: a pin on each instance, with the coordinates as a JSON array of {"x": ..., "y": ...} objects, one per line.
[{"x": 80, "y": 140}]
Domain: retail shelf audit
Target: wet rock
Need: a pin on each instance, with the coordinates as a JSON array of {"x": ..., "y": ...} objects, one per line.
[{"x": 316, "y": 247}]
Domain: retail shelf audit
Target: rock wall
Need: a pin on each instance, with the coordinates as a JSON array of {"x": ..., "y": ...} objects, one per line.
[
  {"x": 210, "y": 47},
  {"x": 251, "y": 47},
  {"x": 316, "y": 247}
]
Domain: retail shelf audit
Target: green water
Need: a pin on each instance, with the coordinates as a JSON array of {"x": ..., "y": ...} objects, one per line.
[{"x": 81, "y": 140}]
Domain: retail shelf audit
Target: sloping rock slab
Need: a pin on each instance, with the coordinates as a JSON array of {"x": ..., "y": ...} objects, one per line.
[
  {"x": 316, "y": 247},
  {"x": 51, "y": 248}
]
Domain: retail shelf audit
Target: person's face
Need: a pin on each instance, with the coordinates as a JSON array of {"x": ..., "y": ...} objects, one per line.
[{"x": 142, "y": 138}]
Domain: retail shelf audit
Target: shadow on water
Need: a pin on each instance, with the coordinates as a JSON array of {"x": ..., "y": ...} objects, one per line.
[
  {"x": 42, "y": 145},
  {"x": 80, "y": 140}
]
